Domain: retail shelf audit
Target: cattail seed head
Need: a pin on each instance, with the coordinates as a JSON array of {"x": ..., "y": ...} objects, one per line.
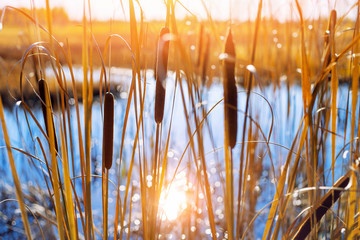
[
  {"x": 230, "y": 90},
  {"x": 160, "y": 73},
  {"x": 108, "y": 130}
]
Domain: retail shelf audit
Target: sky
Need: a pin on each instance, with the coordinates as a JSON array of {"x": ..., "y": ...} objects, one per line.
[{"x": 220, "y": 9}]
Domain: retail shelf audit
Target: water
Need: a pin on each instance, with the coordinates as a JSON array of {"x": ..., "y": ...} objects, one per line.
[{"x": 285, "y": 126}]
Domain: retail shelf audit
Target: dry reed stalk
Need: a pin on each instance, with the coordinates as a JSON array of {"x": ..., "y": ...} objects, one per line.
[
  {"x": 18, "y": 189},
  {"x": 160, "y": 73},
  {"x": 200, "y": 45},
  {"x": 205, "y": 60},
  {"x": 230, "y": 90},
  {"x": 43, "y": 90},
  {"x": 334, "y": 88},
  {"x": 54, "y": 163},
  {"x": 108, "y": 130},
  {"x": 352, "y": 202}
]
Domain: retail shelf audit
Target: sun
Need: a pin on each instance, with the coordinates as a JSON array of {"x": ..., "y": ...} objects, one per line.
[{"x": 172, "y": 203}]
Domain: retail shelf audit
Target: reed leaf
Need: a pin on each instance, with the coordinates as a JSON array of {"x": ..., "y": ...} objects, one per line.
[
  {"x": 322, "y": 207},
  {"x": 355, "y": 85},
  {"x": 43, "y": 88},
  {"x": 334, "y": 89},
  {"x": 54, "y": 163},
  {"x": 18, "y": 189}
]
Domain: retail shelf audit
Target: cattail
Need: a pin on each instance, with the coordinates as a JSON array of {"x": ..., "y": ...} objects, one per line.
[
  {"x": 160, "y": 73},
  {"x": 230, "y": 91},
  {"x": 44, "y": 93},
  {"x": 108, "y": 130}
]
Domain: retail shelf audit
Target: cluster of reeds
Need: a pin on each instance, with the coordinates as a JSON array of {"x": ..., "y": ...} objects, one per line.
[{"x": 240, "y": 158}]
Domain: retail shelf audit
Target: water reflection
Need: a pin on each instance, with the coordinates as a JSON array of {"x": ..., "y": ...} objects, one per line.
[{"x": 182, "y": 198}]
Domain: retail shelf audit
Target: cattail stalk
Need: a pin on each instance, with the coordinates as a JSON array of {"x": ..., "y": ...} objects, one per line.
[
  {"x": 43, "y": 90},
  {"x": 230, "y": 115},
  {"x": 108, "y": 140},
  {"x": 160, "y": 73}
]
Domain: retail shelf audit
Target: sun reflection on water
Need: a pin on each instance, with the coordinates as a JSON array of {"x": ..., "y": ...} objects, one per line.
[{"x": 172, "y": 203}]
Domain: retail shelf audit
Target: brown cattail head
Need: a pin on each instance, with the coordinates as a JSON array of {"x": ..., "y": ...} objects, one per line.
[
  {"x": 108, "y": 130},
  {"x": 44, "y": 94},
  {"x": 160, "y": 73},
  {"x": 230, "y": 91}
]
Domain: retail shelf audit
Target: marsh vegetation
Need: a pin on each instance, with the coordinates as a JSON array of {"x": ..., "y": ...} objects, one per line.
[{"x": 179, "y": 129}]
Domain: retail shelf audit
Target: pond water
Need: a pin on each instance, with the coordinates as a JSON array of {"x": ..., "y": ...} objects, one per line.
[{"x": 285, "y": 125}]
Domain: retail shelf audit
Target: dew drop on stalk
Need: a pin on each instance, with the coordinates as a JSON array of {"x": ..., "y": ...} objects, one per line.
[
  {"x": 251, "y": 68},
  {"x": 136, "y": 197}
]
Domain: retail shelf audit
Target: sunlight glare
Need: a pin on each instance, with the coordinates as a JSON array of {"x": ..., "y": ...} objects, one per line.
[{"x": 172, "y": 203}]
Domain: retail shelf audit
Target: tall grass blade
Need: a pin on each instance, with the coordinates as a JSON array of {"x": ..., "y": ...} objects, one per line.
[
  {"x": 42, "y": 90},
  {"x": 352, "y": 202},
  {"x": 18, "y": 189},
  {"x": 54, "y": 164}
]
